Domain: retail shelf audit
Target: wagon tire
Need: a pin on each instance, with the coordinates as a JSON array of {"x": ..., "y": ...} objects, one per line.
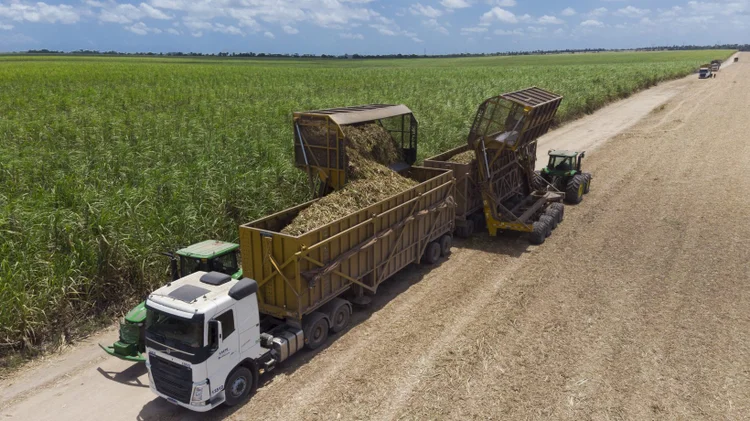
[
  {"x": 446, "y": 242},
  {"x": 550, "y": 222},
  {"x": 539, "y": 233},
  {"x": 560, "y": 211},
  {"x": 554, "y": 217},
  {"x": 467, "y": 230},
  {"x": 340, "y": 315},
  {"x": 315, "y": 330},
  {"x": 432, "y": 253}
]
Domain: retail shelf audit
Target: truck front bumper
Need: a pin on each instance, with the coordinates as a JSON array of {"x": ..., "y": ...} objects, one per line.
[{"x": 209, "y": 405}]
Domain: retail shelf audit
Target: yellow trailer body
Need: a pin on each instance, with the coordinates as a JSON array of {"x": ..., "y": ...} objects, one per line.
[{"x": 297, "y": 275}]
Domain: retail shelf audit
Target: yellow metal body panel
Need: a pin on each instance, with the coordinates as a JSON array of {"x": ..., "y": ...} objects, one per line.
[{"x": 297, "y": 275}]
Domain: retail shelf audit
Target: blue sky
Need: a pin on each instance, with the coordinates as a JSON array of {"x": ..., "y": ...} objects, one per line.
[{"x": 367, "y": 26}]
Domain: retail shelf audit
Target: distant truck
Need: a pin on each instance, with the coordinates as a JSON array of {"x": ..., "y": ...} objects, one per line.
[{"x": 705, "y": 72}]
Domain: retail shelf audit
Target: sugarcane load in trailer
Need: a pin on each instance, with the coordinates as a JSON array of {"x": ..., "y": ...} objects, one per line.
[{"x": 209, "y": 337}]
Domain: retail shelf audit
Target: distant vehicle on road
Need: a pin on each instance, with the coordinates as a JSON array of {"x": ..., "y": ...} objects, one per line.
[{"x": 705, "y": 72}]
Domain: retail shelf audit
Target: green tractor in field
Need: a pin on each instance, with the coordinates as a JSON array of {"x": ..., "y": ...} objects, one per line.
[
  {"x": 206, "y": 256},
  {"x": 563, "y": 172}
]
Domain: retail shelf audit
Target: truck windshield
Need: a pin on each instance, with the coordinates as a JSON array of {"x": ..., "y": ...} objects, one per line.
[{"x": 172, "y": 331}]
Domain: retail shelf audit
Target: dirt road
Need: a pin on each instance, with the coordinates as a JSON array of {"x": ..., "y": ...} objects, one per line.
[{"x": 638, "y": 306}]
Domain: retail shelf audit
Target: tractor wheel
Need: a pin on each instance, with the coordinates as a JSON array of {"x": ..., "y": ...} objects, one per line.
[
  {"x": 538, "y": 182},
  {"x": 446, "y": 242},
  {"x": 539, "y": 234},
  {"x": 588, "y": 183},
  {"x": 432, "y": 253},
  {"x": 560, "y": 211},
  {"x": 550, "y": 222},
  {"x": 554, "y": 217},
  {"x": 315, "y": 330},
  {"x": 574, "y": 191}
]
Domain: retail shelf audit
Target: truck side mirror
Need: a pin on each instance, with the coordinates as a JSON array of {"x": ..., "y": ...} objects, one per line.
[{"x": 214, "y": 335}]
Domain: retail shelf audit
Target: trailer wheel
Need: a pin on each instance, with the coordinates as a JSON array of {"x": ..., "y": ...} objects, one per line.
[
  {"x": 315, "y": 330},
  {"x": 574, "y": 190},
  {"x": 539, "y": 234},
  {"x": 340, "y": 315},
  {"x": 479, "y": 222},
  {"x": 432, "y": 253},
  {"x": 467, "y": 230},
  {"x": 554, "y": 217},
  {"x": 445, "y": 245},
  {"x": 550, "y": 222},
  {"x": 560, "y": 211},
  {"x": 239, "y": 385},
  {"x": 588, "y": 183}
]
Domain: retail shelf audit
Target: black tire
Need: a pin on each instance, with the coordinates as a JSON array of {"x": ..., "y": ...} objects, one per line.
[
  {"x": 432, "y": 253},
  {"x": 539, "y": 234},
  {"x": 446, "y": 242},
  {"x": 341, "y": 314},
  {"x": 479, "y": 222},
  {"x": 549, "y": 221},
  {"x": 574, "y": 191},
  {"x": 560, "y": 211},
  {"x": 315, "y": 330},
  {"x": 554, "y": 217},
  {"x": 240, "y": 384},
  {"x": 467, "y": 230},
  {"x": 537, "y": 182},
  {"x": 588, "y": 183}
]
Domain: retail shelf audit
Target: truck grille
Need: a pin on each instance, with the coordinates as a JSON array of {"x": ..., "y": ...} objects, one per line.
[{"x": 173, "y": 380}]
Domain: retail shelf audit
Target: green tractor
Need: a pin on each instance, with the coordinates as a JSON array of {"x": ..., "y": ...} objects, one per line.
[
  {"x": 206, "y": 256},
  {"x": 563, "y": 172}
]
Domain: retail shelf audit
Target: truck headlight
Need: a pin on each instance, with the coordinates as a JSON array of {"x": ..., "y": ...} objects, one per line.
[{"x": 200, "y": 393}]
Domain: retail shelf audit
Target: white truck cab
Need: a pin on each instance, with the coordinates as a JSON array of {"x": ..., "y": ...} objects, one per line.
[{"x": 204, "y": 344}]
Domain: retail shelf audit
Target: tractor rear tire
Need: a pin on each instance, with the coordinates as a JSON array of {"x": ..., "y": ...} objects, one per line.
[
  {"x": 588, "y": 183},
  {"x": 538, "y": 182},
  {"x": 560, "y": 211},
  {"x": 574, "y": 191},
  {"x": 446, "y": 242},
  {"x": 432, "y": 253},
  {"x": 550, "y": 222},
  {"x": 539, "y": 234}
]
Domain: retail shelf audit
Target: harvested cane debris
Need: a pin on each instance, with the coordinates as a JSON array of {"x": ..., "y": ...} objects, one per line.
[
  {"x": 463, "y": 158},
  {"x": 370, "y": 150}
]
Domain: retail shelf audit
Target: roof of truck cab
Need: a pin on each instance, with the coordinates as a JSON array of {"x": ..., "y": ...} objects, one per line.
[
  {"x": 208, "y": 249},
  {"x": 190, "y": 294},
  {"x": 358, "y": 114},
  {"x": 569, "y": 154}
]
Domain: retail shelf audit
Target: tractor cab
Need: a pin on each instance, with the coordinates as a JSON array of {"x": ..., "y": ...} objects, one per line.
[
  {"x": 206, "y": 256},
  {"x": 563, "y": 163}
]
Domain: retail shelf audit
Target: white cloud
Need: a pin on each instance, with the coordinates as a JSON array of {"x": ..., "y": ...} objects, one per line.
[
  {"x": 435, "y": 25},
  {"x": 269, "y": 35},
  {"x": 598, "y": 12},
  {"x": 632, "y": 12},
  {"x": 427, "y": 11},
  {"x": 455, "y": 4},
  {"x": 502, "y": 3},
  {"x": 141, "y": 28},
  {"x": 351, "y": 36},
  {"x": 389, "y": 27},
  {"x": 173, "y": 31},
  {"x": 504, "y": 32},
  {"x": 198, "y": 26},
  {"x": 592, "y": 23},
  {"x": 290, "y": 30},
  {"x": 473, "y": 30},
  {"x": 498, "y": 14},
  {"x": 40, "y": 12},
  {"x": 6, "y": 27},
  {"x": 127, "y": 13},
  {"x": 568, "y": 12},
  {"x": 550, "y": 20}
]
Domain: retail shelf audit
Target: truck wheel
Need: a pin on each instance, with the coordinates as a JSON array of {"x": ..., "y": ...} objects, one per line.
[
  {"x": 340, "y": 315},
  {"x": 467, "y": 230},
  {"x": 240, "y": 384},
  {"x": 315, "y": 330},
  {"x": 560, "y": 211},
  {"x": 588, "y": 183},
  {"x": 550, "y": 222},
  {"x": 432, "y": 253},
  {"x": 539, "y": 234},
  {"x": 574, "y": 191},
  {"x": 479, "y": 223},
  {"x": 446, "y": 242}
]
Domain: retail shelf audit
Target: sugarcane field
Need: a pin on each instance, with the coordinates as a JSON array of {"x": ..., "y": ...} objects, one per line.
[{"x": 534, "y": 234}]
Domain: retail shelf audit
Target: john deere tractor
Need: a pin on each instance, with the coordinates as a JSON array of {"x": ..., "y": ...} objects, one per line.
[
  {"x": 563, "y": 173},
  {"x": 205, "y": 256}
]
